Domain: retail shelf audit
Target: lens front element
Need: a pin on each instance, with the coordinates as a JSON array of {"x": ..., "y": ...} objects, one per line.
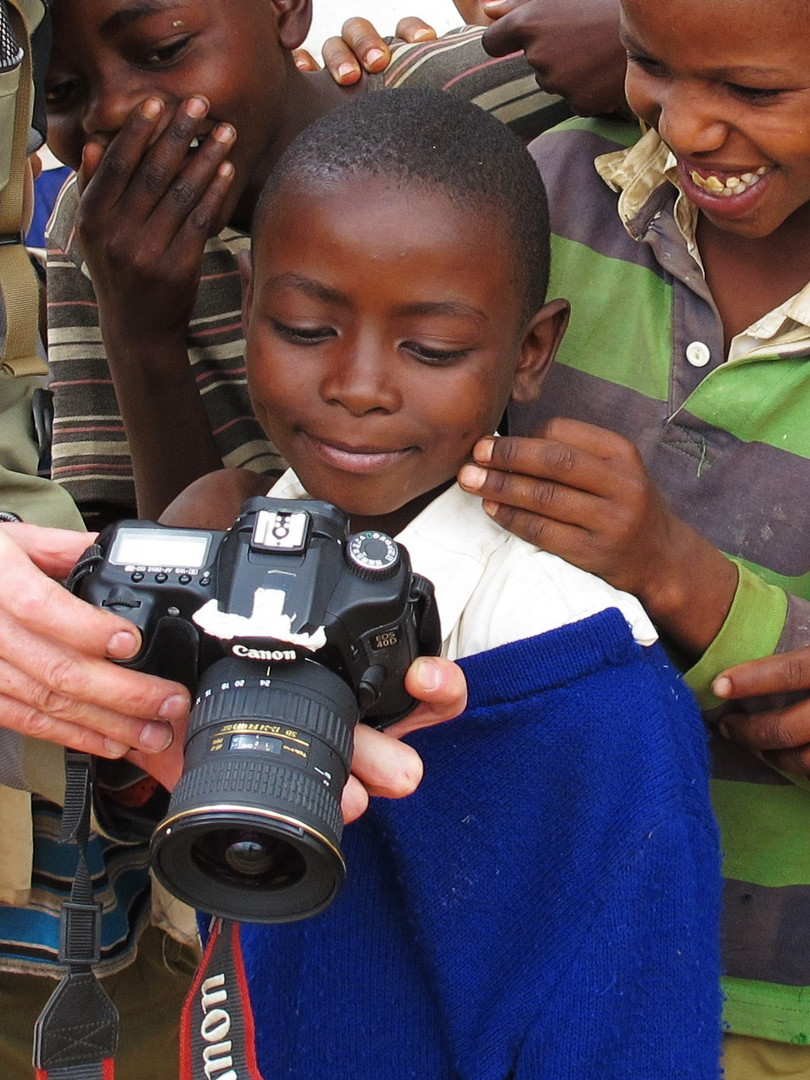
[{"x": 254, "y": 825}]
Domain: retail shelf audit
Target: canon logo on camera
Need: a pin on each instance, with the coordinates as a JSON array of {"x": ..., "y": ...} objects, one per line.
[{"x": 264, "y": 654}]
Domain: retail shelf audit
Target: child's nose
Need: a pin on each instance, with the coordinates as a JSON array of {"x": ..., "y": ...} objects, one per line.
[
  {"x": 109, "y": 106},
  {"x": 689, "y": 124},
  {"x": 361, "y": 383}
]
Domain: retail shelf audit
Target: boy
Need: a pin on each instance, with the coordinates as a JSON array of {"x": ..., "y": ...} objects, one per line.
[
  {"x": 691, "y": 340},
  {"x": 175, "y": 113},
  {"x": 522, "y": 917}
]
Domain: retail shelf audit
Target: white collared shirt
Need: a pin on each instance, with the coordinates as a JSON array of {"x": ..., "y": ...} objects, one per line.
[{"x": 491, "y": 587}]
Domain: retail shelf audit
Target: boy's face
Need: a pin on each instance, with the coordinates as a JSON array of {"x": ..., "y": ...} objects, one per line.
[
  {"x": 383, "y": 335},
  {"x": 727, "y": 85},
  {"x": 109, "y": 55}
]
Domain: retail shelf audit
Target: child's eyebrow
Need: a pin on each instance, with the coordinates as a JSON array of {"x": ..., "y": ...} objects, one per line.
[
  {"x": 140, "y": 9},
  {"x": 452, "y": 308},
  {"x": 318, "y": 291}
]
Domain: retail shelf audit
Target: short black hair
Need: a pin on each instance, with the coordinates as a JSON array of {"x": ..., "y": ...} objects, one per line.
[{"x": 436, "y": 139}]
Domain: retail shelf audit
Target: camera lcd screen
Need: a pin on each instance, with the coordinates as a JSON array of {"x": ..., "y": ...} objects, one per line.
[
  {"x": 154, "y": 547},
  {"x": 267, "y": 743}
]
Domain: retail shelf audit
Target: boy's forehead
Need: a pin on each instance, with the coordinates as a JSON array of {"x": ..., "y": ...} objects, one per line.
[
  {"x": 386, "y": 223},
  {"x": 296, "y": 196},
  {"x": 717, "y": 15},
  {"x": 120, "y": 14}
]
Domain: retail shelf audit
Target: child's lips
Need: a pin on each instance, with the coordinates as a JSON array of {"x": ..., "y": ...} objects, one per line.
[
  {"x": 730, "y": 193},
  {"x": 356, "y": 459}
]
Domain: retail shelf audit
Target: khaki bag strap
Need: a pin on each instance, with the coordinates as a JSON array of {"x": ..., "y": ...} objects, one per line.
[{"x": 18, "y": 280}]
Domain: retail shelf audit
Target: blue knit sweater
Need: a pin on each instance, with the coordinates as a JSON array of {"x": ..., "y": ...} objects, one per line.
[{"x": 544, "y": 906}]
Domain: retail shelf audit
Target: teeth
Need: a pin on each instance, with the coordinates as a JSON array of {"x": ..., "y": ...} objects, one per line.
[
  {"x": 195, "y": 142},
  {"x": 734, "y": 185}
]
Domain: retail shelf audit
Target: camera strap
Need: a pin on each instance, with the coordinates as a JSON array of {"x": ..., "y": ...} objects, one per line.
[
  {"x": 216, "y": 1028},
  {"x": 76, "y": 1035}
]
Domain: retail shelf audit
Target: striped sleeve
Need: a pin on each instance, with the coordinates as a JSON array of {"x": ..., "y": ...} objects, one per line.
[
  {"x": 504, "y": 86},
  {"x": 91, "y": 456}
]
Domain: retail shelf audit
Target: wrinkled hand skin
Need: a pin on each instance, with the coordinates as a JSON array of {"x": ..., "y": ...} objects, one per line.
[
  {"x": 147, "y": 207},
  {"x": 773, "y": 718},
  {"x": 56, "y": 678},
  {"x": 573, "y": 46}
]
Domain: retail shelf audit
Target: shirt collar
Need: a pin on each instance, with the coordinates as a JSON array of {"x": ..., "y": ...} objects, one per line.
[
  {"x": 639, "y": 174},
  {"x": 449, "y": 542}
]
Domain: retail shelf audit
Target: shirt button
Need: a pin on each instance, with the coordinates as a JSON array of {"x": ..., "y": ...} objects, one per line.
[{"x": 698, "y": 354}]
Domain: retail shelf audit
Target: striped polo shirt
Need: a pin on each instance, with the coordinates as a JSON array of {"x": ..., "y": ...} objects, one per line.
[{"x": 727, "y": 439}]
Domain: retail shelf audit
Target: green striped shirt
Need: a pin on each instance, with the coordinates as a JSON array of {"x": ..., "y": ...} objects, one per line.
[{"x": 728, "y": 442}]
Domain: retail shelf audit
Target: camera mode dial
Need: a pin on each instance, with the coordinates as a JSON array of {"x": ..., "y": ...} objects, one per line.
[{"x": 372, "y": 555}]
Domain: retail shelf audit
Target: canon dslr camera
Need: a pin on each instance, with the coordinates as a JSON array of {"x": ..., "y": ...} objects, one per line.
[{"x": 288, "y": 630}]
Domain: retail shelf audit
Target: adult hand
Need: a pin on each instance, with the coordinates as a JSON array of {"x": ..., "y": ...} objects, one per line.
[
  {"x": 56, "y": 678},
  {"x": 583, "y": 493},
  {"x": 573, "y": 45},
  {"x": 779, "y": 732},
  {"x": 362, "y": 49}
]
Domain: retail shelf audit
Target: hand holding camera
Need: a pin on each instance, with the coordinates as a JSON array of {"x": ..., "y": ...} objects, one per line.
[{"x": 289, "y": 630}]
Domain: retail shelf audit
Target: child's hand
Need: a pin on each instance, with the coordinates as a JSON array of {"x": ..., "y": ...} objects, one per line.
[
  {"x": 382, "y": 765},
  {"x": 583, "y": 493},
  {"x": 361, "y": 48},
  {"x": 781, "y": 735},
  {"x": 573, "y": 47},
  {"x": 149, "y": 203}
]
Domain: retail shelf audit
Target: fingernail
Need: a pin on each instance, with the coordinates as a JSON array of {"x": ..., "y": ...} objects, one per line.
[
  {"x": 123, "y": 645},
  {"x": 423, "y": 35},
  {"x": 345, "y": 71},
  {"x": 174, "y": 708},
  {"x": 373, "y": 55},
  {"x": 224, "y": 133},
  {"x": 156, "y": 737},
  {"x": 151, "y": 108},
  {"x": 196, "y": 107},
  {"x": 721, "y": 686},
  {"x": 428, "y": 674},
  {"x": 489, "y": 507},
  {"x": 115, "y": 749},
  {"x": 483, "y": 450},
  {"x": 472, "y": 477}
]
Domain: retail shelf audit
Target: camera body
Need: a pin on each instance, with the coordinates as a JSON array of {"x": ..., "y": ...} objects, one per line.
[{"x": 288, "y": 629}]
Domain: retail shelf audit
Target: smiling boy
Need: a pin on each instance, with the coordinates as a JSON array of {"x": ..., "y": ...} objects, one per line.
[
  {"x": 522, "y": 917},
  {"x": 685, "y": 256}
]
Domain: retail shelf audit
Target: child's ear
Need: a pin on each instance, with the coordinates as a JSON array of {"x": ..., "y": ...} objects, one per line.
[
  {"x": 540, "y": 343},
  {"x": 244, "y": 262},
  {"x": 293, "y": 19}
]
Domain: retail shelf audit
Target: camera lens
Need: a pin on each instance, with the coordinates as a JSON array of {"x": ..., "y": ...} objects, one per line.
[
  {"x": 253, "y": 827},
  {"x": 249, "y": 858}
]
